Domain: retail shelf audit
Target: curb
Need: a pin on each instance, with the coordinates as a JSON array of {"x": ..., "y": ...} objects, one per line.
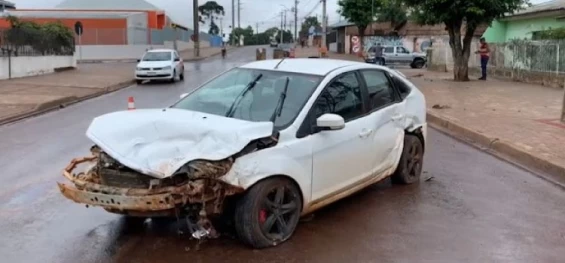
[
  {"x": 64, "y": 102},
  {"x": 545, "y": 169}
]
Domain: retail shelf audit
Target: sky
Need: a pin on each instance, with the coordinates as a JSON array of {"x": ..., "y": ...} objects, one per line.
[{"x": 265, "y": 13}]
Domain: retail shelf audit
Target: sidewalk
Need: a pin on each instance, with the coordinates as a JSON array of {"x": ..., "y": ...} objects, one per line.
[
  {"x": 24, "y": 97},
  {"x": 516, "y": 121}
]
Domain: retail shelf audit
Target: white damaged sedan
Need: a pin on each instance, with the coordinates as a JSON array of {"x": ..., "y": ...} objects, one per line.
[{"x": 256, "y": 147}]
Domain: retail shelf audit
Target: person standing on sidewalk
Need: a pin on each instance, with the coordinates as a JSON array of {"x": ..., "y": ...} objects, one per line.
[
  {"x": 484, "y": 52},
  {"x": 379, "y": 55}
]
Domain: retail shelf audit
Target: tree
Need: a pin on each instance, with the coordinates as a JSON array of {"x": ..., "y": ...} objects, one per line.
[
  {"x": 393, "y": 11},
  {"x": 211, "y": 10},
  {"x": 308, "y": 22},
  {"x": 48, "y": 38},
  {"x": 360, "y": 13},
  {"x": 461, "y": 19}
]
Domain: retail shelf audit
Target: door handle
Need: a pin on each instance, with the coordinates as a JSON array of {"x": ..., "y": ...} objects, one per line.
[
  {"x": 365, "y": 133},
  {"x": 397, "y": 117}
]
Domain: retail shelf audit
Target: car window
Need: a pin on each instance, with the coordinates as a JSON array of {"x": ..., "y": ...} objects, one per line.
[
  {"x": 259, "y": 103},
  {"x": 342, "y": 97},
  {"x": 379, "y": 89},
  {"x": 401, "y": 50},
  {"x": 389, "y": 50},
  {"x": 157, "y": 56},
  {"x": 401, "y": 86}
]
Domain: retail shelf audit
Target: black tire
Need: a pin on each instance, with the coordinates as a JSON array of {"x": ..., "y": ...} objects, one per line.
[
  {"x": 172, "y": 80},
  {"x": 181, "y": 76},
  {"x": 418, "y": 63},
  {"x": 263, "y": 205},
  {"x": 138, "y": 81},
  {"x": 411, "y": 161}
]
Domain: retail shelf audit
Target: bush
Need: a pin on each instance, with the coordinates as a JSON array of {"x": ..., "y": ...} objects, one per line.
[{"x": 45, "y": 39}]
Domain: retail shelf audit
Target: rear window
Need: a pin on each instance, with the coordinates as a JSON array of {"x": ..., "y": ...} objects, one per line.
[{"x": 401, "y": 86}]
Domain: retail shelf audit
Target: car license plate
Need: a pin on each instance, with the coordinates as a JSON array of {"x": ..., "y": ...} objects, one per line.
[{"x": 151, "y": 73}]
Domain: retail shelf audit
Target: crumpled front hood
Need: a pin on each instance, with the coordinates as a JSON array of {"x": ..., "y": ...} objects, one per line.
[{"x": 157, "y": 142}]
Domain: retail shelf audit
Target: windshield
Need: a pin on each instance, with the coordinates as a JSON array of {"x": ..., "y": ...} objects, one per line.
[
  {"x": 157, "y": 56},
  {"x": 259, "y": 103}
]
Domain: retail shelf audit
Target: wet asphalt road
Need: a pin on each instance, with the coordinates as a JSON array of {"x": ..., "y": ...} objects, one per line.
[{"x": 475, "y": 208}]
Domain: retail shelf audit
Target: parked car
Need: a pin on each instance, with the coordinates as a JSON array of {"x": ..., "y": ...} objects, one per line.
[
  {"x": 397, "y": 55},
  {"x": 258, "y": 146},
  {"x": 159, "y": 64}
]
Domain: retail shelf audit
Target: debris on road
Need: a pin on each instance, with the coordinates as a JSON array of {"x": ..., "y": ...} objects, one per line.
[{"x": 438, "y": 106}]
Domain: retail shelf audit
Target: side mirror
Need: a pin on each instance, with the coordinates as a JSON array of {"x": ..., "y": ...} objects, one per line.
[
  {"x": 330, "y": 121},
  {"x": 177, "y": 59},
  {"x": 139, "y": 60},
  {"x": 183, "y": 95}
]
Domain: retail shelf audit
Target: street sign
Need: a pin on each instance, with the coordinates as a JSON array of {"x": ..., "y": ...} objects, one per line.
[
  {"x": 356, "y": 49},
  {"x": 78, "y": 28},
  {"x": 355, "y": 39}
]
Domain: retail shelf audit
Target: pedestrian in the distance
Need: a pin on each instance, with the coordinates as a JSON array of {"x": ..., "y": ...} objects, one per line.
[
  {"x": 484, "y": 52},
  {"x": 379, "y": 54}
]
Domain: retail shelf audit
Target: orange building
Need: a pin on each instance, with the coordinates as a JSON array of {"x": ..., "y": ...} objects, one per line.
[{"x": 100, "y": 27}]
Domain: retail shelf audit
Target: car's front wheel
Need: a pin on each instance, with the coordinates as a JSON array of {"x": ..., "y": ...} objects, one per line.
[
  {"x": 411, "y": 161},
  {"x": 268, "y": 213}
]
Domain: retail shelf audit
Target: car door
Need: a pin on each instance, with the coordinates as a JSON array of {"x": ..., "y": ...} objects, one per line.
[
  {"x": 340, "y": 157},
  {"x": 386, "y": 118},
  {"x": 388, "y": 54},
  {"x": 402, "y": 55}
]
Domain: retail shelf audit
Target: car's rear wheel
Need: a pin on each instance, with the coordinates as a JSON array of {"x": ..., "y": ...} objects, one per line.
[
  {"x": 139, "y": 82},
  {"x": 181, "y": 76},
  {"x": 418, "y": 63},
  {"x": 268, "y": 213},
  {"x": 411, "y": 161}
]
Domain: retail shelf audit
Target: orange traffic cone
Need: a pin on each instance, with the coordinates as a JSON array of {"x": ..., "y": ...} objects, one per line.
[{"x": 131, "y": 104}]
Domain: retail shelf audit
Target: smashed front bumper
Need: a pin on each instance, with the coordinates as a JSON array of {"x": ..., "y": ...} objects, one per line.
[{"x": 87, "y": 189}]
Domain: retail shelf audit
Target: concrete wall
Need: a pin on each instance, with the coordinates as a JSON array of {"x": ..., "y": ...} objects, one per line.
[
  {"x": 117, "y": 52},
  {"x": 32, "y": 66},
  {"x": 137, "y": 29}
]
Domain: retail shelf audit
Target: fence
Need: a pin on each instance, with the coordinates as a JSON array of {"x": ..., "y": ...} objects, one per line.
[
  {"x": 33, "y": 42},
  {"x": 516, "y": 56},
  {"x": 135, "y": 36}
]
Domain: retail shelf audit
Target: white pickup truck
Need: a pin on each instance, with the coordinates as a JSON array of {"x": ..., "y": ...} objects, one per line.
[{"x": 396, "y": 55}]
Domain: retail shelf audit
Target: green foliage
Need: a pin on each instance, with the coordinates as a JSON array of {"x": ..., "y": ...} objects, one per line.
[
  {"x": 49, "y": 38},
  {"x": 358, "y": 12},
  {"x": 211, "y": 10},
  {"x": 550, "y": 34},
  {"x": 393, "y": 11},
  {"x": 249, "y": 38},
  {"x": 308, "y": 22},
  {"x": 473, "y": 12}
]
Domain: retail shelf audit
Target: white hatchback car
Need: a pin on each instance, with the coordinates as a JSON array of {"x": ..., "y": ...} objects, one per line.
[
  {"x": 159, "y": 64},
  {"x": 257, "y": 146}
]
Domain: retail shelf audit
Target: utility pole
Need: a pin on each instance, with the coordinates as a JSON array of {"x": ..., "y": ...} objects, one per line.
[
  {"x": 221, "y": 27},
  {"x": 324, "y": 23},
  {"x": 232, "y": 22},
  {"x": 282, "y": 21},
  {"x": 295, "y": 20},
  {"x": 238, "y": 14},
  {"x": 257, "y": 33},
  {"x": 196, "y": 28}
]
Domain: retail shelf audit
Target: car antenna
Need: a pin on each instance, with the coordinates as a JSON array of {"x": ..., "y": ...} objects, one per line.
[{"x": 277, "y": 66}]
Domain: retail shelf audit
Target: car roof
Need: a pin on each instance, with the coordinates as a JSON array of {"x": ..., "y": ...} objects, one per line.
[{"x": 313, "y": 66}]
